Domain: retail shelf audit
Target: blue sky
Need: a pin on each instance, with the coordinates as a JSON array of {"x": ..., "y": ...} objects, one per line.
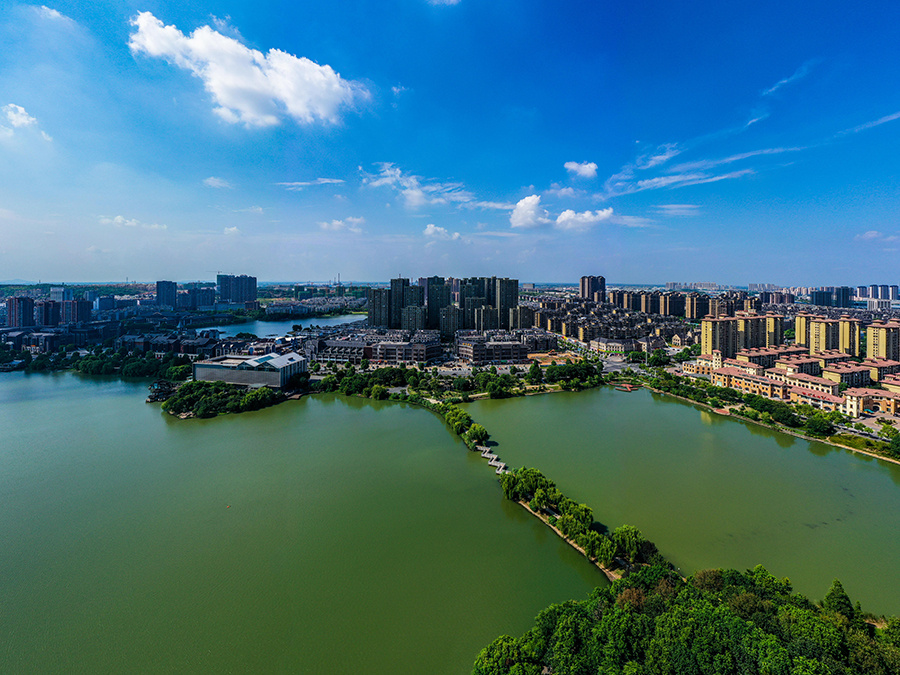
[{"x": 647, "y": 142}]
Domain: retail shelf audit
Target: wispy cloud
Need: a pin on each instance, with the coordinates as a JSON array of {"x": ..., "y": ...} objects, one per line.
[
  {"x": 631, "y": 221},
  {"x": 712, "y": 163},
  {"x": 296, "y": 186},
  {"x": 122, "y": 221},
  {"x": 869, "y": 125},
  {"x": 677, "y": 180},
  {"x": 417, "y": 192},
  {"x": 249, "y": 87},
  {"x": 52, "y": 15},
  {"x": 231, "y": 231},
  {"x": 218, "y": 183},
  {"x": 349, "y": 224},
  {"x": 251, "y": 209},
  {"x": 677, "y": 209},
  {"x": 876, "y": 236},
  {"x": 799, "y": 74}
]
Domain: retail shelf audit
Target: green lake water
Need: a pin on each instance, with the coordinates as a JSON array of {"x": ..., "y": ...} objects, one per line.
[
  {"x": 712, "y": 491},
  {"x": 327, "y": 535}
]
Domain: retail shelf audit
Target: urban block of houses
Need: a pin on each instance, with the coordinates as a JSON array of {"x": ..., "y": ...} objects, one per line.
[{"x": 812, "y": 380}]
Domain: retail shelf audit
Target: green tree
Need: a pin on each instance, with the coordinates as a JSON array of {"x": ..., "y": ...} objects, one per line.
[
  {"x": 535, "y": 374},
  {"x": 819, "y": 425},
  {"x": 837, "y": 600},
  {"x": 478, "y": 433},
  {"x": 628, "y": 540}
]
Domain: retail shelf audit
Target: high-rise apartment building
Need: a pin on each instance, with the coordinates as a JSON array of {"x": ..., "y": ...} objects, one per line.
[
  {"x": 450, "y": 322},
  {"x": 398, "y": 287},
  {"x": 19, "y": 312},
  {"x": 75, "y": 311},
  {"x": 850, "y": 333},
  {"x": 506, "y": 296},
  {"x": 590, "y": 285},
  {"x": 824, "y": 335},
  {"x": 412, "y": 318},
  {"x": 883, "y": 340},
  {"x": 167, "y": 294},
  {"x": 48, "y": 313},
  {"x": 696, "y": 307},
  {"x": 379, "y": 300},
  {"x": 236, "y": 288},
  {"x": 61, "y": 293},
  {"x": 437, "y": 294},
  {"x": 719, "y": 334}
]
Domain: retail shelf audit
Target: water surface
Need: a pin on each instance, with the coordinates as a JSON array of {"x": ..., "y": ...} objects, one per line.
[
  {"x": 712, "y": 491},
  {"x": 326, "y": 535}
]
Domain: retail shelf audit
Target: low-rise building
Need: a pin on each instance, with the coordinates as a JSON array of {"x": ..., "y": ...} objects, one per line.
[
  {"x": 269, "y": 370},
  {"x": 851, "y": 374},
  {"x": 736, "y": 378}
]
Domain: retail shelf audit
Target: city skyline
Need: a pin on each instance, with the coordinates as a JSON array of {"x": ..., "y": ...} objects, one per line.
[{"x": 525, "y": 138}]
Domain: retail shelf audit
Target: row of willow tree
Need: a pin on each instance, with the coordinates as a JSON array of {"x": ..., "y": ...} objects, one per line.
[{"x": 625, "y": 545}]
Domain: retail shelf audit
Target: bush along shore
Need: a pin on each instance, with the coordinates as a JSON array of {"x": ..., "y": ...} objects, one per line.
[
  {"x": 208, "y": 399},
  {"x": 714, "y": 622}
]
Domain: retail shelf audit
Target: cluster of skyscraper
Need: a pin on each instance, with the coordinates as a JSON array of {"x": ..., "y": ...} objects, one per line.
[
  {"x": 593, "y": 288},
  {"x": 448, "y": 305},
  {"x": 231, "y": 288},
  {"x": 22, "y": 312},
  {"x": 878, "y": 292}
]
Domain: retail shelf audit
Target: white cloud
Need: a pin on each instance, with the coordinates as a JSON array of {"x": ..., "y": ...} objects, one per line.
[
  {"x": 677, "y": 209},
  {"x": 252, "y": 209},
  {"x": 17, "y": 116},
  {"x": 347, "y": 224},
  {"x": 216, "y": 182},
  {"x": 122, "y": 221},
  {"x": 570, "y": 220},
  {"x": 583, "y": 169},
  {"x": 52, "y": 15},
  {"x": 231, "y": 231},
  {"x": 529, "y": 213},
  {"x": 561, "y": 192},
  {"x": 248, "y": 86},
  {"x": 435, "y": 232},
  {"x": 417, "y": 192},
  {"x": 296, "y": 186}
]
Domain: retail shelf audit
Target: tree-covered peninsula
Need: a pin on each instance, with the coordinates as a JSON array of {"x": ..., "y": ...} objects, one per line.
[{"x": 716, "y": 622}]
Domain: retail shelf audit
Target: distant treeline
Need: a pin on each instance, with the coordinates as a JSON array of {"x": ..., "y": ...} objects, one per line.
[{"x": 716, "y": 622}]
